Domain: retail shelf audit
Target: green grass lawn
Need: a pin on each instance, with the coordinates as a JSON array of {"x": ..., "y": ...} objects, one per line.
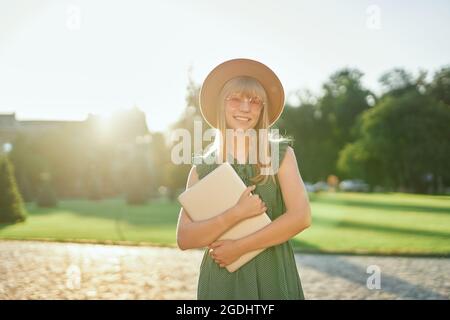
[{"x": 342, "y": 222}]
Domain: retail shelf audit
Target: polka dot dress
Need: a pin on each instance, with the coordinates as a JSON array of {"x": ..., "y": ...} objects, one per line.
[{"x": 270, "y": 275}]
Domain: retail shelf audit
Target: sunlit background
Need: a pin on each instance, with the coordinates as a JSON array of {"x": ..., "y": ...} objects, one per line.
[
  {"x": 66, "y": 59},
  {"x": 91, "y": 91}
]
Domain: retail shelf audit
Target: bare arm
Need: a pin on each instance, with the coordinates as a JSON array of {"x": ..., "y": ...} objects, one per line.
[
  {"x": 298, "y": 212},
  {"x": 200, "y": 234}
]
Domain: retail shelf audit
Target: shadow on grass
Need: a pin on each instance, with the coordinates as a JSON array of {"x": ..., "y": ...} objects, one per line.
[
  {"x": 160, "y": 213},
  {"x": 382, "y": 205},
  {"x": 4, "y": 225},
  {"x": 380, "y": 228},
  {"x": 304, "y": 246},
  {"x": 153, "y": 213}
]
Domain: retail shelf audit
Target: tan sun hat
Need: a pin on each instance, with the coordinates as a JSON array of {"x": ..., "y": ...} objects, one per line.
[{"x": 230, "y": 69}]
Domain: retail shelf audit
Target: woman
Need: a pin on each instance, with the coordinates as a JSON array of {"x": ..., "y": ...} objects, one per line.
[{"x": 243, "y": 94}]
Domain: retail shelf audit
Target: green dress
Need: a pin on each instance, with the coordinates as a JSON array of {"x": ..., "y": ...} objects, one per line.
[{"x": 270, "y": 275}]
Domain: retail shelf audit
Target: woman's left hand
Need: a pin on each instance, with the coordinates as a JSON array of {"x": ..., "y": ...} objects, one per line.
[{"x": 224, "y": 252}]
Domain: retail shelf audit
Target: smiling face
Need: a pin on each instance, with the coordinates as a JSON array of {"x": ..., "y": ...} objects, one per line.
[
  {"x": 242, "y": 111},
  {"x": 244, "y": 103}
]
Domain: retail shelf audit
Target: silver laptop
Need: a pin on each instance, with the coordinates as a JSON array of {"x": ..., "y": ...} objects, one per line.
[{"x": 215, "y": 193}]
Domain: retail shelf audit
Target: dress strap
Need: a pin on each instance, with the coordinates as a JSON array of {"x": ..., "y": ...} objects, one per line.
[
  {"x": 283, "y": 145},
  {"x": 202, "y": 166}
]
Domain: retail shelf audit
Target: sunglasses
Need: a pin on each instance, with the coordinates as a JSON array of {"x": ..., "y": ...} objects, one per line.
[{"x": 254, "y": 102}]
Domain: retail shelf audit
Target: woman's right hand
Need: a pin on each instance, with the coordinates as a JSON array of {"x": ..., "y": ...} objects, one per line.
[{"x": 250, "y": 205}]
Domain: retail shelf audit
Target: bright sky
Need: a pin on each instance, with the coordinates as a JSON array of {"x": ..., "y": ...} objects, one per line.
[{"x": 64, "y": 59}]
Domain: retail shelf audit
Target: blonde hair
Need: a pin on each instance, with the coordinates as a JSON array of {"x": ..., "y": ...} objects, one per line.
[{"x": 249, "y": 87}]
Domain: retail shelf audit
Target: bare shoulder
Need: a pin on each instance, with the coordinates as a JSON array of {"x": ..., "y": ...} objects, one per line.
[
  {"x": 289, "y": 162},
  {"x": 291, "y": 183}
]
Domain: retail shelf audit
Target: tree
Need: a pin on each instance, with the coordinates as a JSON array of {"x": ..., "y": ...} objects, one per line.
[
  {"x": 27, "y": 165},
  {"x": 439, "y": 87},
  {"x": 46, "y": 196},
  {"x": 138, "y": 178},
  {"x": 175, "y": 175},
  {"x": 322, "y": 126},
  {"x": 11, "y": 204},
  {"x": 93, "y": 183},
  {"x": 344, "y": 101},
  {"x": 159, "y": 157},
  {"x": 300, "y": 123},
  {"x": 404, "y": 140},
  {"x": 398, "y": 81}
]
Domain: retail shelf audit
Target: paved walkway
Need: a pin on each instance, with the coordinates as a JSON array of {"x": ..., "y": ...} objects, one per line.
[{"x": 46, "y": 270}]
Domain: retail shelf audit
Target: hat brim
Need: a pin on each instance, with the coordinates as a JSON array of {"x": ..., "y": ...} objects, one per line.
[{"x": 230, "y": 69}]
